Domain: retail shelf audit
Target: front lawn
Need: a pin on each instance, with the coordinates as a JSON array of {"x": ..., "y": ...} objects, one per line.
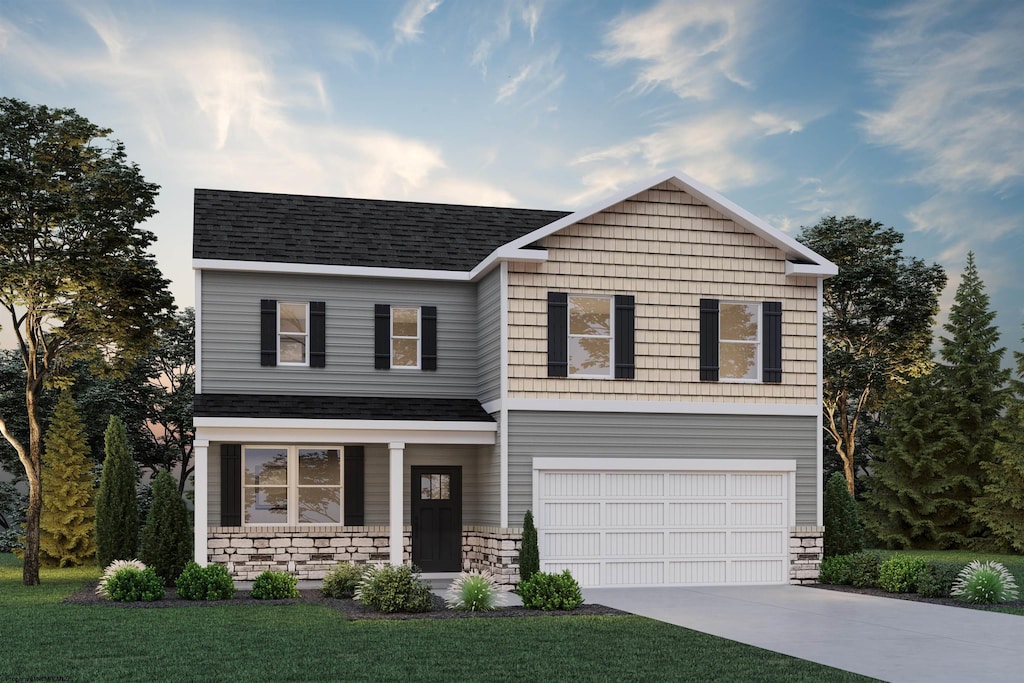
[{"x": 43, "y": 639}]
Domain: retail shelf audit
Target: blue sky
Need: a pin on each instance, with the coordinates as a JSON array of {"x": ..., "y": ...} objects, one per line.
[{"x": 910, "y": 113}]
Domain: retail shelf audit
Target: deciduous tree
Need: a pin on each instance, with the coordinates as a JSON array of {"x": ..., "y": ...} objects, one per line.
[{"x": 75, "y": 276}]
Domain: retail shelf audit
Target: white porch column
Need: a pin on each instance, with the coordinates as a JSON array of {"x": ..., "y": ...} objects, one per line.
[
  {"x": 397, "y": 451},
  {"x": 200, "y": 447}
]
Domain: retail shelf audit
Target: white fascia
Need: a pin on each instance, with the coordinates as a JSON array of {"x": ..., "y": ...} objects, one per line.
[
  {"x": 315, "y": 269},
  {"x": 198, "y": 331},
  {"x": 664, "y": 407},
  {"x": 665, "y": 464},
  {"x": 296, "y": 431}
]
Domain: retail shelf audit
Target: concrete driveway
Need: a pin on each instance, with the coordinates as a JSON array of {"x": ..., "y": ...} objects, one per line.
[{"x": 890, "y": 639}]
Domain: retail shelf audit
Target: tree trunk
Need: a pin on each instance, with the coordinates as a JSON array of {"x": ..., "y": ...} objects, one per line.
[
  {"x": 30, "y": 563},
  {"x": 847, "y": 458}
]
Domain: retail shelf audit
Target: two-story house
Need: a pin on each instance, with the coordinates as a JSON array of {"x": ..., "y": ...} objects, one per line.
[{"x": 398, "y": 381}]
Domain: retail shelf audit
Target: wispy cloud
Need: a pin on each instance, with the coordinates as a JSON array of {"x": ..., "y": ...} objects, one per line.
[
  {"x": 951, "y": 217},
  {"x": 408, "y": 24},
  {"x": 690, "y": 47},
  {"x": 956, "y": 92},
  {"x": 527, "y": 11},
  {"x": 344, "y": 44},
  {"x": 534, "y": 80}
]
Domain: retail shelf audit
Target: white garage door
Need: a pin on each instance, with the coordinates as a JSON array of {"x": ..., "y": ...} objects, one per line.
[{"x": 638, "y": 522}]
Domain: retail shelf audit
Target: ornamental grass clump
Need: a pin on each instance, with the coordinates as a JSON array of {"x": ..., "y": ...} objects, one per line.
[
  {"x": 984, "y": 583},
  {"x": 112, "y": 569},
  {"x": 474, "y": 591}
]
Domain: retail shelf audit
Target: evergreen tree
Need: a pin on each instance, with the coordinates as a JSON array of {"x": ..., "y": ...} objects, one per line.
[
  {"x": 843, "y": 532},
  {"x": 973, "y": 382},
  {"x": 167, "y": 538},
  {"x": 68, "y": 519},
  {"x": 1001, "y": 506},
  {"x": 529, "y": 552},
  {"x": 117, "y": 521}
]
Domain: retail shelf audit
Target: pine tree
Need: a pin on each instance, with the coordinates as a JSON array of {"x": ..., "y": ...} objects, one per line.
[
  {"x": 529, "y": 553},
  {"x": 167, "y": 538},
  {"x": 68, "y": 520},
  {"x": 973, "y": 382},
  {"x": 1001, "y": 506},
  {"x": 843, "y": 532},
  {"x": 117, "y": 521},
  {"x": 899, "y": 503}
]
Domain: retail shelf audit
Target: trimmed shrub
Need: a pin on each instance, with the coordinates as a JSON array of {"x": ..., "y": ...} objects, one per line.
[
  {"x": 271, "y": 585},
  {"x": 835, "y": 570},
  {"x": 864, "y": 569},
  {"x": 529, "y": 552},
  {"x": 167, "y": 538},
  {"x": 117, "y": 517},
  {"x": 130, "y": 584},
  {"x": 341, "y": 581},
  {"x": 844, "y": 534},
  {"x": 984, "y": 583},
  {"x": 551, "y": 592},
  {"x": 211, "y": 582},
  {"x": 937, "y": 578},
  {"x": 899, "y": 573},
  {"x": 394, "y": 589},
  {"x": 112, "y": 569},
  {"x": 474, "y": 591}
]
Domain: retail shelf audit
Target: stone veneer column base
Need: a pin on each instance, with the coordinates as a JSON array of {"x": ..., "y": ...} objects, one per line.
[
  {"x": 306, "y": 552},
  {"x": 806, "y": 544},
  {"x": 494, "y": 549}
]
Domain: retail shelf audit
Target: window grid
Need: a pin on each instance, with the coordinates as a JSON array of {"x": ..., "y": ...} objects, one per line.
[
  {"x": 400, "y": 343},
  {"x": 731, "y": 347},
  {"x": 255, "y": 493},
  {"x": 609, "y": 371},
  {"x": 291, "y": 340}
]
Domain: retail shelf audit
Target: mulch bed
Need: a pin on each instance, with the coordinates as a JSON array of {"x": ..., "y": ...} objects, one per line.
[
  {"x": 350, "y": 608},
  {"x": 914, "y": 597}
]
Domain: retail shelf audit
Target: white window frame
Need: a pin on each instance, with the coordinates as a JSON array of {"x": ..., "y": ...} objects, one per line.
[
  {"x": 757, "y": 344},
  {"x": 419, "y": 337},
  {"x": 610, "y": 337},
  {"x": 293, "y": 485},
  {"x": 293, "y": 335}
]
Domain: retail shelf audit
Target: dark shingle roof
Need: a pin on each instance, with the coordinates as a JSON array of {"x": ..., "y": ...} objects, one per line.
[
  {"x": 340, "y": 408},
  {"x": 256, "y": 226}
]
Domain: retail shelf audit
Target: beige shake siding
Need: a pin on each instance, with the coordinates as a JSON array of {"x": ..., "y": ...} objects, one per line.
[{"x": 669, "y": 251}]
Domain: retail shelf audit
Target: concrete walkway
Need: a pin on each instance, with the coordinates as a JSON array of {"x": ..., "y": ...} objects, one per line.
[{"x": 890, "y": 639}]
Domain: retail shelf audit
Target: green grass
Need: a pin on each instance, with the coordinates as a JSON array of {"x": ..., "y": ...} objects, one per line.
[{"x": 43, "y": 639}]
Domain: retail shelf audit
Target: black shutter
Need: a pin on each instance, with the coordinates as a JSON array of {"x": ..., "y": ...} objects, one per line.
[
  {"x": 317, "y": 334},
  {"x": 382, "y": 336},
  {"x": 230, "y": 484},
  {"x": 355, "y": 466},
  {"x": 558, "y": 334},
  {"x": 268, "y": 332},
  {"x": 428, "y": 354},
  {"x": 709, "y": 340},
  {"x": 771, "y": 340},
  {"x": 625, "y": 324}
]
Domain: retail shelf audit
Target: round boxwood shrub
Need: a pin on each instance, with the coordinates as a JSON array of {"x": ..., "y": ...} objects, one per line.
[
  {"x": 835, "y": 570},
  {"x": 205, "y": 583},
  {"x": 864, "y": 569},
  {"x": 271, "y": 585},
  {"x": 134, "y": 585},
  {"x": 341, "y": 581},
  {"x": 394, "y": 589},
  {"x": 985, "y": 583},
  {"x": 112, "y": 569},
  {"x": 937, "y": 578},
  {"x": 899, "y": 574},
  {"x": 551, "y": 591}
]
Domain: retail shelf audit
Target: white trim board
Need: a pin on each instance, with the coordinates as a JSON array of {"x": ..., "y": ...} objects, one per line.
[
  {"x": 665, "y": 464},
  {"x": 654, "y": 407},
  {"x": 336, "y": 431}
]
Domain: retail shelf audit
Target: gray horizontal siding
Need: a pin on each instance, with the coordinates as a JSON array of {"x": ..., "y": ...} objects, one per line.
[
  {"x": 625, "y": 435},
  {"x": 489, "y": 483},
  {"x": 489, "y": 339},
  {"x": 231, "y": 336}
]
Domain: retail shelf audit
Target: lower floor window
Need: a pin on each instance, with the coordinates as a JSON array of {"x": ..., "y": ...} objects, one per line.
[{"x": 291, "y": 485}]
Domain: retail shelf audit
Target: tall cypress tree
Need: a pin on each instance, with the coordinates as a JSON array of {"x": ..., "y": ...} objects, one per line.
[
  {"x": 1000, "y": 507},
  {"x": 117, "y": 517},
  {"x": 167, "y": 537},
  {"x": 68, "y": 521},
  {"x": 974, "y": 392}
]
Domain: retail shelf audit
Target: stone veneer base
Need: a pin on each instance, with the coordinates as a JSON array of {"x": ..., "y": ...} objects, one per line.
[{"x": 806, "y": 545}]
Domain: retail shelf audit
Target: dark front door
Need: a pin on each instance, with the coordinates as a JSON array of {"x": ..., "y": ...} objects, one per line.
[{"x": 437, "y": 518}]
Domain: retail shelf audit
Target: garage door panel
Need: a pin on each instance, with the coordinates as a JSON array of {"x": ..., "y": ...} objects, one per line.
[
  {"x": 637, "y": 543},
  {"x": 634, "y": 574},
  {"x": 703, "y": 572},
  {"x": 570, "y": 484},
  {"x": 697, "y": 543},
  {"x": 634, "y": 514},
  {"x": 633, "y": 484},
  {"x": 758, "y": 514},
  {"x": 757, "y": 571},
  {"x": 558, "y": 545},
  {"x": 692, "y": 485},
  {"x": 757, "y": 543},
  {"x": 697, "y": 514},
  {"x": 561, "y": 515},
  {"x": 763, "y": 485},
  {"x": 585, "y": 573}
]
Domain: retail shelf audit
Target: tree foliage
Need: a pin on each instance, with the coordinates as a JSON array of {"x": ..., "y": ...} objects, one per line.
[
  {"x": 529, "y": 552},
  {"x": 167, "y": 537},
  {"x": 878, "y": 316},
  {"x": 117, "y": 520},
  {"x": 76, "y": 279},
  {"x": 68, "y": 523},
  {"x": 843, "y": 532}
]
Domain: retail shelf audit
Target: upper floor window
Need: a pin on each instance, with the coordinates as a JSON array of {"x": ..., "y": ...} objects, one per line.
[
  {"x": 292, "y": 332},
  {"x": 591, "y": 335},
  {"x": 739, "y": 341},
  {"x": 405, "y": 338}
]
